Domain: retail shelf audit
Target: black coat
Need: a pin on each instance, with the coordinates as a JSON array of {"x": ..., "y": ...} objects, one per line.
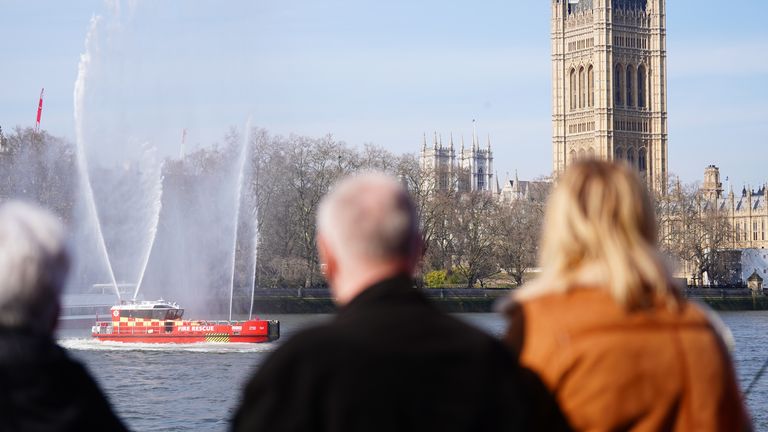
[
  {"x": 42, "y": 389},
  {"x": 390, "y": 361}
]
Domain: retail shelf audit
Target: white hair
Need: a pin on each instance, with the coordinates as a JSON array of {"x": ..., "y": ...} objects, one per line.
[
  {"x": 33, "y": 266},
  {"x": 368, "y": 216}
]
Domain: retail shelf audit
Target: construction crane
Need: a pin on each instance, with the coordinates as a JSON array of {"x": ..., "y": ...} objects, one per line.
[{"x": 39, "y": 111}]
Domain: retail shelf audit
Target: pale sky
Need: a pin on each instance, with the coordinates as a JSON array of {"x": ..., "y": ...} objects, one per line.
[{"x": 382, "y": 72}]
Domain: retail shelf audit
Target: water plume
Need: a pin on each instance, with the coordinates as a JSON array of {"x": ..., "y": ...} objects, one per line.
[
  {"x": 238, "y": 198},
  {"x": 82, "y": 162}
]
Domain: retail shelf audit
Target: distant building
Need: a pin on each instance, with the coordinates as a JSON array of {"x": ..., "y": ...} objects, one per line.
[
  {"x": 471, "y": 169},
  {"x": 747, "y": 212},
  {"x": 522, "y": 190},
  {"x": 609, "y": 90}
]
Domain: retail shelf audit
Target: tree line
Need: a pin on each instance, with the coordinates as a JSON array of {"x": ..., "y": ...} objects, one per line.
[{"x": 472, "y": 239}]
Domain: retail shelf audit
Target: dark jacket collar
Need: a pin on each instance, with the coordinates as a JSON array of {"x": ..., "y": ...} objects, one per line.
[{"x": 397, "y": 289}]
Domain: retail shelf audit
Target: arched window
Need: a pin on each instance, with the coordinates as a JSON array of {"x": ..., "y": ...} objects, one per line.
[
  {"x": 631, "y": 156},
  {"x": 573, "y": 89},
  {"x": 582, "y": 154},
  {"x": 642, "y": 163},
  {"x": 617, "y": 84},
  {"x": 591, "y": 153},
  {"x": 591, "y": 86},
  {"x": 480, "y": 179},
  {"x": 572, "y": 155},
  {"x": 582, "y": 88},
  {"x": 641, "y": 86},
  {"x": 618, "y": 153},
  {"x": 630, "y": 79}
]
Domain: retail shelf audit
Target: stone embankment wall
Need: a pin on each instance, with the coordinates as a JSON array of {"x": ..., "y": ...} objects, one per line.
[{"x": 484, "y": 300}]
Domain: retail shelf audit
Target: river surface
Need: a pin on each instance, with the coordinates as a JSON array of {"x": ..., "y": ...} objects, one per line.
[{"x": 196, "y": 387}]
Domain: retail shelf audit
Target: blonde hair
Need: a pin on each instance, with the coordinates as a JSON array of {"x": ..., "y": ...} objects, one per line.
[{"x": 600, "y": 232}]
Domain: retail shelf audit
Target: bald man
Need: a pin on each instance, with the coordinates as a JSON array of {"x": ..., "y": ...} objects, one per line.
[{"x": 389, "y": 361}]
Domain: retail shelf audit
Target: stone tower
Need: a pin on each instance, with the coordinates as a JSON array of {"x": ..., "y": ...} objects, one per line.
[
  {"x": 712, "y": 188},
  {"x": 609, "y": 97}
]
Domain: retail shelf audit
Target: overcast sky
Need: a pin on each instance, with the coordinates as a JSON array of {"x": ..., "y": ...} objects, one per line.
[{"x": 382, "y": 72}]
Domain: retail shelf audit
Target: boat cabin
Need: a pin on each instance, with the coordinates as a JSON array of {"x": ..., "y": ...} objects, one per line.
[{"x": 149, "y": 310}]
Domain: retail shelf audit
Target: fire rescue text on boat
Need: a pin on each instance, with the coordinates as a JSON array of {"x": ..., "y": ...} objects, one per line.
[{"x": 161, "y": 322}]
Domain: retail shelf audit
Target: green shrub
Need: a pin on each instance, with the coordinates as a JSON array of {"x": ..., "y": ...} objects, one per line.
[{"x": 435, "y": 278}]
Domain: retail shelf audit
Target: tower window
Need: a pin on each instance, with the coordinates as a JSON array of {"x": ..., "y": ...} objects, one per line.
[
  {"x": 573, "y": 89},
  {"x": 630, "y": 85},
  {"x": 641, "y": 160},
  {"x": 591, "y": 85},
  {"x": 631, "y": 157},
  {"x": 582, "y": 88},
  {"x": 641, "y": 86},
  {"x": 617, "y": 84},
  {"x": 618, "y": 153}
]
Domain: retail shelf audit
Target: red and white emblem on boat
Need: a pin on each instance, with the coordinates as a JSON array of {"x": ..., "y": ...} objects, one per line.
[{"x": 115, "y": 313}]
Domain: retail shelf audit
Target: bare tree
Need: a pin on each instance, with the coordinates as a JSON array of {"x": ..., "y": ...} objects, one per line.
[
  {"x": 695, "y": 231},
  {"x": 518, "y": 228},
  {"x": 474, "y": 234}
]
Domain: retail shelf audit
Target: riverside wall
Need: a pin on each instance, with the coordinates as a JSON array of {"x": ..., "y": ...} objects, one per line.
[{"x": 295, "y": 301}]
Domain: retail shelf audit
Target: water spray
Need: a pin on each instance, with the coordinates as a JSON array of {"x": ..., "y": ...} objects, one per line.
[
  {"x": 82, "y": 162},
  {"x": 157, "y": 190},
  {"x": 238, "y": 198}
]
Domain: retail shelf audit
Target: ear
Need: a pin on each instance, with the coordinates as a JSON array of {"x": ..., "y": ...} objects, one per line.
[{"x": 328, "y": 262}]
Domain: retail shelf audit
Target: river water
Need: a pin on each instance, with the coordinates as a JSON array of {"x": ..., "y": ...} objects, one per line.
[{"x": 196, "y": 387}]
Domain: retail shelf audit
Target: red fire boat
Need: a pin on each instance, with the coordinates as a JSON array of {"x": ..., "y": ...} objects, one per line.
[{"x": 161, "y": 322}]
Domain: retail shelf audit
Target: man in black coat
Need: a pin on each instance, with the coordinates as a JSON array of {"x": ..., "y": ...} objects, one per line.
[
  {"x": 389, "y": 361},
  {"x": 41, "y": 388}
]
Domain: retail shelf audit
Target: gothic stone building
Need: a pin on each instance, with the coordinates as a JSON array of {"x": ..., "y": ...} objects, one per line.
[
  {"x": 471, "y": 169},
  {"x": 747, "y": 212},
  {"x": 609, "y": 84}
]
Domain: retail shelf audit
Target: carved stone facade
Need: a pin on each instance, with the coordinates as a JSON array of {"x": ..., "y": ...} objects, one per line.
[
  {"x": 747, "y": 212},
  {"x": 609, "y": 84},
  {"x": 471, "y": 169}
]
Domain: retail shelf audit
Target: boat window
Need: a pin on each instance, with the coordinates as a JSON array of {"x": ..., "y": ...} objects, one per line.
[
  {"x": 174, "y": 314},
  {"x": 158, "y": 314}
]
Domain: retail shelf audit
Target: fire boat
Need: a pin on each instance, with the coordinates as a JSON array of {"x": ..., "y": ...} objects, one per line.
[{"x": 161, "y": 322}]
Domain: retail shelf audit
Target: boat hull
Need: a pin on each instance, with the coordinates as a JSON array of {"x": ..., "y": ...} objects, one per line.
[
  {"x": 182, "y": 339},
  {"x": 136, "y": 330}
]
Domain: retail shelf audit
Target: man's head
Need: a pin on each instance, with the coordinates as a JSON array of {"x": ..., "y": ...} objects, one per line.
[
  {"x": 367, "y": 230},
  {"x": 33, "y": 267}
]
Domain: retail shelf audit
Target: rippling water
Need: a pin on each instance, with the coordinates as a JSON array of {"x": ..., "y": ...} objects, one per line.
[{"x": 196, "y": 387}]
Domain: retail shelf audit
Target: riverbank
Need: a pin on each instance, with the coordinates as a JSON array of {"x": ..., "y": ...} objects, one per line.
[{"x": 485, "y": 300}]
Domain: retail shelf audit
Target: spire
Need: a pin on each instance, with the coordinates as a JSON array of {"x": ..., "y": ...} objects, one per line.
[
  {"x": 441, "y": 140},
  {"x": 516, "y": 179},
  {"x": 451, "y": 142},
  {"x": 462, "y": 144},
  {"x": 424, "y": 146},
  {"x": 474, "y": 135},
  {"x": 489, "y": 145},
  {"x": 435, "y": 144}
]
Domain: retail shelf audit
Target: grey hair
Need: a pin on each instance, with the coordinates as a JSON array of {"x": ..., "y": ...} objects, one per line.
[
  {"x": 370, "y": 216},
  {"x": 34, "y": 263}
]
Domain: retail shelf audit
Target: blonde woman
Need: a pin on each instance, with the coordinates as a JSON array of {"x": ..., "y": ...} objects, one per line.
[{"x": 604, "y": 326}]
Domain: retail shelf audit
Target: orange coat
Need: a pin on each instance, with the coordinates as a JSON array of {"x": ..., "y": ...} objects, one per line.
[{"x": 610, "y": 369}]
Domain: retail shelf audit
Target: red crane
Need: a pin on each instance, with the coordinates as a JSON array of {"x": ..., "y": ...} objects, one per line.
[{"x": 39, "y": 111}]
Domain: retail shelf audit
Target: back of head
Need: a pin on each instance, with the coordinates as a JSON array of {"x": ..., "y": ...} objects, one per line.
[
  {"x": 599, "y": 220},
  {"x": 369, "y": 217},
  {"x": 33, "y": 266}
]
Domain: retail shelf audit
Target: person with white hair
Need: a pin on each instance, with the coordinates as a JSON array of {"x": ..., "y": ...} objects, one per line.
[
  {"x": 41, "y": 388},
  {"x": 389, "y": 360}
]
